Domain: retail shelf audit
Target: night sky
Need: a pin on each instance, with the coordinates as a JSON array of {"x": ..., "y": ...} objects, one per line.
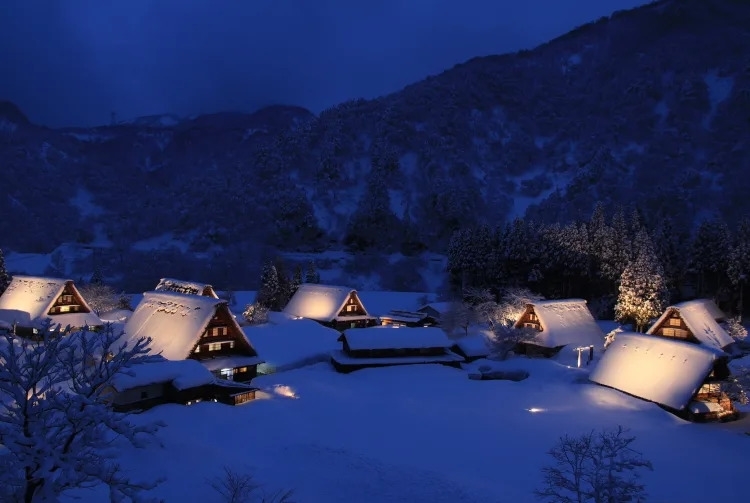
[{"x": 73, "y": 62}]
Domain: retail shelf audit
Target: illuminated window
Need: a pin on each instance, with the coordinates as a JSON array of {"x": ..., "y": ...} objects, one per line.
[
  {"x": 64, "y": 309},
  {"x": 675, "y": 322},
  {"x": 216, "y": 331},
  {"x": 197, "y": 348},
  {"x": 242, "y": 369},
  {"x": 214, "y": 346}
]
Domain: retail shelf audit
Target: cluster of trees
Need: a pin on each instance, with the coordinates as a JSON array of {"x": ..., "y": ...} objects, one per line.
[
  {"x": 620, "y": 263},
  {"x": 277, "y": 287},
  {"x": 4, "y": 276}
]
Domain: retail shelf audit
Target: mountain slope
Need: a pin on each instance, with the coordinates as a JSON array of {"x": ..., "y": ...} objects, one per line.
[{"x": 649, "y": 107}]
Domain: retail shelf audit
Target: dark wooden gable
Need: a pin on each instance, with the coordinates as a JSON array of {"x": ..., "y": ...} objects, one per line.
[
  {"x": 69, "y": 301},
  {"x": 222, "y": 336},
  {"x": 353, "y": 306},
  {"x": 529, "y": 319},
  {"x": 673, "y": 326}
]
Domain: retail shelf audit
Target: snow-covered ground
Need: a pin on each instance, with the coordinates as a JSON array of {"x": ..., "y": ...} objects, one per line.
[{"x": 426, "y": 434}]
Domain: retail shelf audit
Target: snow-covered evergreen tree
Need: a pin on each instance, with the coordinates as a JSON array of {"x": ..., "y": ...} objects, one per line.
[
  {"x": 4, "y": 276},
  {"x": 668, "y": 244},
  {"x": 57, "y": 428},
  {"x": 100, "y": 297},
  {"x": 738, "y": 266},
  {"x": 296, "y": 280},
  {"x": 97, "y": 278},
  {"x": 617, "y": 255},
  {"x": 643, "y": 291},
  {"x": 311, "y": 273},
  {"x": 268, "y": 294},
  {"x": 710, "y": 255}
]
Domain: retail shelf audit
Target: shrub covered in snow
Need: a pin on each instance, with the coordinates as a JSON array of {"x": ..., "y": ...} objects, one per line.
[
  {"x": 736, "y": 330},
  {"x": 255, "y": 314}
]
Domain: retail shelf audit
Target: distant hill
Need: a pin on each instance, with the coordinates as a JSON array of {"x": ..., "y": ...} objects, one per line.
[{"x": 648, "y": 107}]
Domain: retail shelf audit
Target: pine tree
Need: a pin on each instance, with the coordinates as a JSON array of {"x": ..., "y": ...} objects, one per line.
[
  {"x": 4, "y": 276},
  {"x": 296, "y": 280},
  {"x": 738, "y": 267},
  {"x": 268, "y": 294},
  {"x": 668, "y": 243},
  {"x": 710, "y": 255},
  {"x": 311, "y": 273},
  {"x": 643, "y": 292}
]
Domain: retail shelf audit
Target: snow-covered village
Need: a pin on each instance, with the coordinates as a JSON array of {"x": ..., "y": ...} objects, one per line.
[{"x": 510, "y": 265}]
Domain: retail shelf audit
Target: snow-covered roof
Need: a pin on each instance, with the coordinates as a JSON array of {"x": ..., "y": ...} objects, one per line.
[
  {"x": 345, "y": 359},
  {"x": 473, "y": 345},
  {"x": 390, "y": 337},
  {"x": 182, "y": 374},
  {"x": 658, "y": 369},
  {"x": 28, "y": 299},
  {"x": 230, "y": 362},
  {"x": 186, "y": 287},
  {"x": 319, "y": 302},
  {"x": 174, "y": 321},
  {"x": 404, "y": 316},
  {"x": 564, "y": 322},
  {"x": 700, "y": 316},
  {"x": 440, "y": 307}
]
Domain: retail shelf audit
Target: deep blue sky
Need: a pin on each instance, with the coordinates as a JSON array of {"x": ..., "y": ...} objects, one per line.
[{"x": 73, "y": 62}]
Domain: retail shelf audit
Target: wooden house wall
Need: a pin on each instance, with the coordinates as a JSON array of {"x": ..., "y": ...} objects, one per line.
[
  {"x": 674, "y": 327},
  {"x": 343, "y": 324},
  {"x": 69, "y": 301},
  {"x": 353, "y": 307},
  {"x": 391, "y": 352},
  {"x": 221, "y": 330},
  {"x": 529, "y": 319}
]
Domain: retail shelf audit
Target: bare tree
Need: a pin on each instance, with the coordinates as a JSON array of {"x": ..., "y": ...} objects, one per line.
[
  {"x": 458, "y": 317},
  {"x": 240, "y": 487},
  {"x": 100, "y": 297},
  {"x": 55, "y": 422},
  {"x": 598, "y": 467},
  {"x": 255, "y": 314}
]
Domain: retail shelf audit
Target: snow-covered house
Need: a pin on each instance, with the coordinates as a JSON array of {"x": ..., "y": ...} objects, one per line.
[
  {"x": 402, "y": 318},
  {"x": 697, "y": 321},
  {"x": 338, "y": 307},
  {"x": 554, "y": 324},
  {"x": 29, "y": 301},
  {"x": 472, "y": 347},
  {"x": 197, "y": 327},
  {"x": 383, "y": 346},
  {"x": 186, "y": 287},
  {"x": 682, "y": 377},
  {"x": 157, "y": 381},
  {"x": 436, "y": 309}
]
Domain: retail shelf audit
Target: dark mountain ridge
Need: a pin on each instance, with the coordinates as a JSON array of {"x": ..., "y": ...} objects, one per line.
[{"x": 648, "y": 107}]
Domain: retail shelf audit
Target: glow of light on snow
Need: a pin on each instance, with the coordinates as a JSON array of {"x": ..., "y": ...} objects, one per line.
[
  {"x": 285, "y": 391},
  {"x": 534, "y": 410}
]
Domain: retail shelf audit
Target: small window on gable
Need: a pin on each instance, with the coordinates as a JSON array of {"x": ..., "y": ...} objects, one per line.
[
  {"x": 351, "y": 308},
  {"x": 674, "y": 322}
]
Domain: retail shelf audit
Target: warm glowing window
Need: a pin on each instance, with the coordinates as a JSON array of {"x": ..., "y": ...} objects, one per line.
[
  {"x": 218, "y": 331},
  {"x": 675, "y": 322},
  {"x": 64, "y": 309},
  {"x": 242, "y": 369},
  {"x": 214, "y": 346},
  {"x": 197, "y": 348},
  {"x": 351, "y": 308}
]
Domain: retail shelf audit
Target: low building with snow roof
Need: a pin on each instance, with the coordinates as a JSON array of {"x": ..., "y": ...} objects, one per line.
[
  {"x": 437, "y": 309},
  {"x": 197, "y": 327},
  {"x": 697, "y": 321},
  {"x": 472, "y": 347},
  {"x": 30, "y": 301},
  {"x": 185, "y": 287},
  {"x": 337, "y": 307},
  {"x": 554, "y": 324},
  {"x": 686, "y": 379},
  {"x": 157, "y": 381},
  {"x": 402, "y": 318},
  {"x": 383, "y": 346}
]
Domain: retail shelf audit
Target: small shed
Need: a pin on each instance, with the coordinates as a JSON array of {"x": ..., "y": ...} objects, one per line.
[
  {"x": 437, "y": 309},
  {"x": 686, "y": 379},
  {"x": 29, "y": 301},
  {"x": 553, "y": 324},
  {"x": 158, "y": 381},
  {"x": 202, "y": 328},
  {"x": 382, "y": 346},
  {"x": 337, "y": 307},
  {"x": 697, "y": 321},
  {"x": 185, "y": 287}
]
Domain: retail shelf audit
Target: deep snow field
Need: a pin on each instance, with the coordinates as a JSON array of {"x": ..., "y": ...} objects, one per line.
[{"x": 427, "y": 434}]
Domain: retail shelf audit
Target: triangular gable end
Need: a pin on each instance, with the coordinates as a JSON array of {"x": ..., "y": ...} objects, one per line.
[
  {"x": 222, "y": 327},
  {"x": 672, "y": 325},
  {"x": 352, "y": 306},
  {"x": 69, "y": 300},
  {"x": 529, "y": 319}
]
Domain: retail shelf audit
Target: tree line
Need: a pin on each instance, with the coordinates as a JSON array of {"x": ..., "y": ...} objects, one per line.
[{"x": 594, "y": 259}]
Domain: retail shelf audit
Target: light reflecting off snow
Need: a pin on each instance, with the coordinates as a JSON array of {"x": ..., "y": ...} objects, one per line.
[
  {"x": 285, "y": 391},
  {"x": 534, "y": 410}
]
